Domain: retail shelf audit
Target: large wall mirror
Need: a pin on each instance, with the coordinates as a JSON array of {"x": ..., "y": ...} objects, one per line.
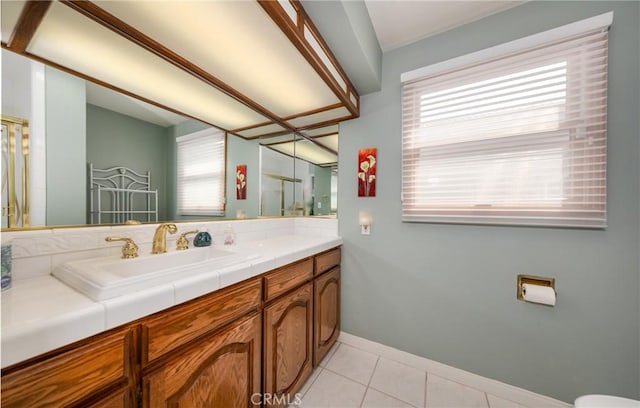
[{"x": 73, "y": 123}]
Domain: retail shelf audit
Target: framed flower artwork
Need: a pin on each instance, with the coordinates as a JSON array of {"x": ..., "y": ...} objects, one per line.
[
  {"x": 241, "y": 182},
  {"x": 367, "y": 172}
]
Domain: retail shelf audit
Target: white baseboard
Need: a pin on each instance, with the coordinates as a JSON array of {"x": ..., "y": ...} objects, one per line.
[{"x": 497, "y": 388}]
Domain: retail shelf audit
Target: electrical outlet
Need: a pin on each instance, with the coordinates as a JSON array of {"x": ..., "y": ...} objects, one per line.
[{"x": 319, "y": 204}]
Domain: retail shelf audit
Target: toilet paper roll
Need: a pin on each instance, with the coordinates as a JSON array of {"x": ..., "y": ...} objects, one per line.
[{"x": 544, "y": 295}]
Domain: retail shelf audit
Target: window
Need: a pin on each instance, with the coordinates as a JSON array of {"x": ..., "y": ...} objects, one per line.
[
  {"x": 201, "y": 173},
  {"x": 511, "y": 135}
]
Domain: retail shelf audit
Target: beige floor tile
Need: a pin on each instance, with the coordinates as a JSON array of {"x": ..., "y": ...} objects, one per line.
[
  {"x": 375, "y": 399},
  {"x": 353, "y": 363},
  {"x": 333, "y": 390},
  {"x": 312, "y": 378},
  {"x": 443, "y": 393},
  {"x": 327, "y": 357},
  {"x": 497, "y": 402},
  {"x": 399, "y": 381}
]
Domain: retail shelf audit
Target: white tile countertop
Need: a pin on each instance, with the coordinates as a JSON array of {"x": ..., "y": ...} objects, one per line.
[{"x": 41, "y": 313}]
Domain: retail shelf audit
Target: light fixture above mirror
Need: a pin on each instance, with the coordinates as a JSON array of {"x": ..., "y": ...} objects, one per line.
[{"x": 252, "y": 68}]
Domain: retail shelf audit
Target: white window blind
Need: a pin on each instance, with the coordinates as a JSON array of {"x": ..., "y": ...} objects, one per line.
[
  {"x": 201, "y": 173},
  {"x": 512, "y": 139}
]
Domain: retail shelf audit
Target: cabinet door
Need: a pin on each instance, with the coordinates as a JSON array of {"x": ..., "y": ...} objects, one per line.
[
  {"x": 120, "y": 398},
  {"x": 75, "y": 374},
  {"x": 219, "y": 370},
  {"x": 326, "y": 297},
  {"x": 288, "y": 345}
]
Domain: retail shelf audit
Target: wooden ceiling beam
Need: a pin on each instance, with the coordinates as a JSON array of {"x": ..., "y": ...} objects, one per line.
[
  {"x": 30, "y": 18},
  {"x": 295, "y": 33}
]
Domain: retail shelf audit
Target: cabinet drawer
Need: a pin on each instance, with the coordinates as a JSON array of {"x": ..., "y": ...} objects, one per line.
[
  {"x": 75, "y": 374},
  {"x": 287, "y": 277},
  {"x": 327, "y": 260},
  {"x": 181, "y": 324}
]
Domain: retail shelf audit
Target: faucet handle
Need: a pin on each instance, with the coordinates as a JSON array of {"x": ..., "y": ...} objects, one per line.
[
  {"x": 183, "y": 242},
  {"x": 129, "y": 250},
  {"x": 171, "y": 227}
]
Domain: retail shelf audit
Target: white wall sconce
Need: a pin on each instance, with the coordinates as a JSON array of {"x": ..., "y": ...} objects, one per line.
[{"x": 365, "y": 223}]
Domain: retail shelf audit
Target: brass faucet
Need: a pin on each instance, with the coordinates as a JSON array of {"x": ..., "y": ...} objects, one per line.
[
  {"x": 129, "y": 250},
  {"x": 160, "y": 238},
  {"x": 183, "y": 243}
]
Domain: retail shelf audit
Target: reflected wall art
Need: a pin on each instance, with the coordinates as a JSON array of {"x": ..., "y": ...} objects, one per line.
[{"x": 241, "y": 182}]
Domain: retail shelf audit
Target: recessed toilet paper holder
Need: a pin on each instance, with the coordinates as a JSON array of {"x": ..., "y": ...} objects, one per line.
[{"x": 533, "y": 280}]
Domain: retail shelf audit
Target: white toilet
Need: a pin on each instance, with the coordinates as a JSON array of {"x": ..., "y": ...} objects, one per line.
[{"x": 605, "y": 401}]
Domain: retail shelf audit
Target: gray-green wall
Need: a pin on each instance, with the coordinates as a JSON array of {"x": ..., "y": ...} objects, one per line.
[
  {"x": 66, "y": 165},
  {"x": 448, "y": 292},
  {"x": 114, "y": 139}
]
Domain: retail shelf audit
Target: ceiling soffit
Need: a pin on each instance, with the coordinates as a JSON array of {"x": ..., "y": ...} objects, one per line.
[
  {"x": 250, "y": 68},
  {"x": 305, "y": 149}
]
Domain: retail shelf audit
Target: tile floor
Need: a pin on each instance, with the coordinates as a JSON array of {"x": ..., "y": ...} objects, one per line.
[{"x": 349, "y": 377}]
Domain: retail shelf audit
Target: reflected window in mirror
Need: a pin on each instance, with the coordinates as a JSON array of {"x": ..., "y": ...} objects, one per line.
[
  {"x": 334, "y": 190},
  {"x": 201, "y": 173}
]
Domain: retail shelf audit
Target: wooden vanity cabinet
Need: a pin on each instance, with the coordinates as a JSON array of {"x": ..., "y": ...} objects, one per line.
[
  {"x": 122, "y": 397},
  {"x": 96, "y": 372},
  {"x": 288, "y": 331},
  {"x": 219, "y": 370},
  {"x": 326, "y": 299},
  {"x": 206, "y": 352},
  {"x": 244, "y": 345},
  {"x": 288, "y": 345}
]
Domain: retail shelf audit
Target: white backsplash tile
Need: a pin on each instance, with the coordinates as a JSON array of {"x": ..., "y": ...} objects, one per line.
[
  {"x": 55, "y": 246},
  {"x": 30, "y": 267},
  {"x": 138, "y": 233},
  {"x": 25, "y": 243},
  {"x": 70, "y": 240}
]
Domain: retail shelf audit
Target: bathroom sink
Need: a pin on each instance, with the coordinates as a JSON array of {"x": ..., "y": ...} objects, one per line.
[{"x": 109, "y": 277}]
